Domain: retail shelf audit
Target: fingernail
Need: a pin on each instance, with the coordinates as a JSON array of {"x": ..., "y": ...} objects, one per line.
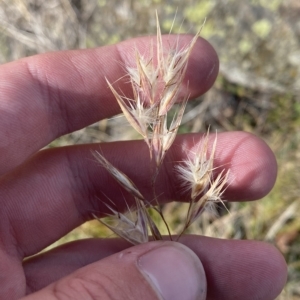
[{"x": 175, "y": 272}]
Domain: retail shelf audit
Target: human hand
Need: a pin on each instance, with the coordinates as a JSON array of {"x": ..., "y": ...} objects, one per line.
[{"x": 45, "y": 194}]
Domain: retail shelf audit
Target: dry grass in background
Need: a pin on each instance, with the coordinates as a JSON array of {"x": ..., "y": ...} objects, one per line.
[{"x": 257, "y": 91}]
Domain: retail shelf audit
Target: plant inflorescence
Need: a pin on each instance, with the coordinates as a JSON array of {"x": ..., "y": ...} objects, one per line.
[{"x": 156, "y": 83}]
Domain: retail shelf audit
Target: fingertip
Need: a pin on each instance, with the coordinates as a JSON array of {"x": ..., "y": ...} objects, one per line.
[
  {"x": 175, "y": 271},
  {"x": 267, "y": 269},
  {"x": 276, "y": 264},
  {"x": 262, "y": 270},
  {"x": 252, "y": 165},
  {"x": 240, "y": 269},
  {"x": 265, "y": 162},
  {"x": 203, "y": 67}
]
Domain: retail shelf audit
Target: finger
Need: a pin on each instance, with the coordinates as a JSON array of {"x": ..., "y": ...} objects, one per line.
[
  {"x": 60, "y": 188},
  {"x": 48, "y": 95},
  {"x": 243, "y": 269},
  {"x": 234, "y": 269},
  {"x": 157, "y": 270}
]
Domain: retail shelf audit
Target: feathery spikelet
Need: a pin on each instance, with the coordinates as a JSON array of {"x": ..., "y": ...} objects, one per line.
[
  {"x": 156, "y": 83},
  {"x": 156, "y": 87},
  {"x": 131, "y": 226},
  {"x": 213, "y": 194},
  {"x": 119, "y": 176},
  {"x": 134, "y": 225},
  {"x": 196, "y": 171},
  {"x": 196, "y": 174}
]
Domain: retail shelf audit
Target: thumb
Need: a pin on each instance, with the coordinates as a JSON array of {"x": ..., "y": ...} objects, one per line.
[{"x": 155, "y": 270}]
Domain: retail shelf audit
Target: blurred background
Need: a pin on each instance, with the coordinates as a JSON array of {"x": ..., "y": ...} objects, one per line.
[{"x": 258, "y": 42}]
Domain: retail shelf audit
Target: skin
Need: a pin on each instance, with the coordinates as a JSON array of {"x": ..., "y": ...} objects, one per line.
[{"x": 45, "y": 194}]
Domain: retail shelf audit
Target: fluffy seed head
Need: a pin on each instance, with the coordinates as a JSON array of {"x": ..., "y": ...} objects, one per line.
[{"x": 156, "y": 82}]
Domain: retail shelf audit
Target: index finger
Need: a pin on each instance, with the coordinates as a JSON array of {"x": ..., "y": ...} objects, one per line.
[{"x": 46, "y": 96}]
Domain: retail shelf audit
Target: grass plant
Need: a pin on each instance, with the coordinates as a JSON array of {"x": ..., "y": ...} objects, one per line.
[{"x": 156, "y": 84}]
